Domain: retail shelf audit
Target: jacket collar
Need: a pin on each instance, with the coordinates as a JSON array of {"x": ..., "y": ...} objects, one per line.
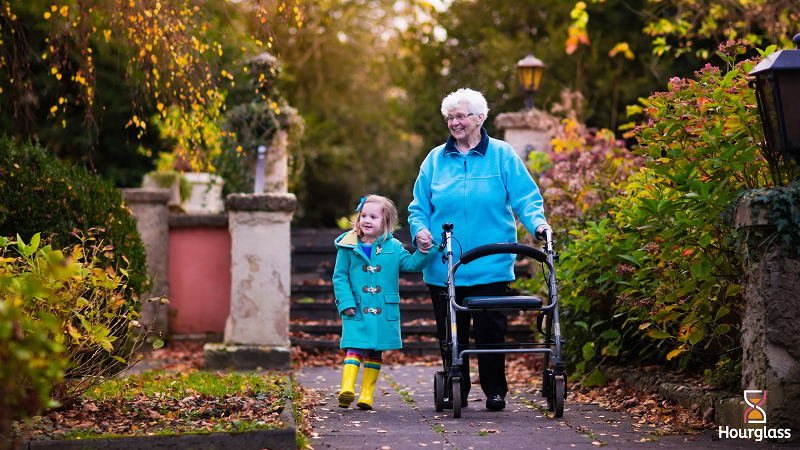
[
  {"x": 450, "y": 146},
  {"x": 350, "y": 240}
]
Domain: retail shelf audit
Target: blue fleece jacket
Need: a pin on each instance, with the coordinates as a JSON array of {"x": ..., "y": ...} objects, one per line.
[{"x": 478, "y": 193}]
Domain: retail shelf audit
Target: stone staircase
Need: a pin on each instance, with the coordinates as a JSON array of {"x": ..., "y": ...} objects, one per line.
[{"x": 315, "y": 322}]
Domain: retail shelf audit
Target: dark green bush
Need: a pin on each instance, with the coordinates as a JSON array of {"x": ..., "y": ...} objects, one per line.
[{"x": 38, "y": 193}]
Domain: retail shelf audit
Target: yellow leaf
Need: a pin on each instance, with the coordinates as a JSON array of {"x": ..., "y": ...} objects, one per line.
[
  {"x": 64, "y": 10},
  {"x": 58, "y": 76},
  {"x": 54, "y": 109},
  {"x": 674, "y": 353},
  {"x": 53, "y": 70},
  {"x": 47, "y": 14}
]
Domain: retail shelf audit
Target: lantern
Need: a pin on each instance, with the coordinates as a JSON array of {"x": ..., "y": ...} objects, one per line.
[
  {"x": 529, "y": 72},
  {"x": 777, "y": 87}
]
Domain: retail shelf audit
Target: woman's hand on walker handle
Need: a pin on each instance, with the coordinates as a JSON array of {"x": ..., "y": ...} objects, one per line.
[
  {"x": 349, "y": 312},
  {"x": 539, "y": 235},
  {"x": 424, "y": 240}
]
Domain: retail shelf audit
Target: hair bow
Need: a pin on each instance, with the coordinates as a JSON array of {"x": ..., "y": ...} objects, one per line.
[{"x": 361, "y": 203}]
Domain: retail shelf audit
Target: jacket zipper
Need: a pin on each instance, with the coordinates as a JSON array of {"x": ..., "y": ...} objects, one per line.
[{"x": 469, "y": 278}]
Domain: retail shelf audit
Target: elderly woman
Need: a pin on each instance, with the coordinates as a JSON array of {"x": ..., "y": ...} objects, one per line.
[{"x": 474, "y": 182}]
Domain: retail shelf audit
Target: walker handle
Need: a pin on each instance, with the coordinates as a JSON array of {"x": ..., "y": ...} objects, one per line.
[{"x": 494, "y": 249}]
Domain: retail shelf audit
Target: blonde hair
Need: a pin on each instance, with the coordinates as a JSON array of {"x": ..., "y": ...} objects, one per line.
[{"x": 389, "y": 215}]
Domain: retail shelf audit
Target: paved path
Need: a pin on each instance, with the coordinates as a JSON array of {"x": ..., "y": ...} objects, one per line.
[{"x": 404, "y": 418}]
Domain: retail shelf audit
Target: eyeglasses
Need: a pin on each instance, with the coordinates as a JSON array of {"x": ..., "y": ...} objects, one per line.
[{"x": 458, "y": 118}]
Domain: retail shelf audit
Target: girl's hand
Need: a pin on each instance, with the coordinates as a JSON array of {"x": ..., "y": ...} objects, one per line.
[{"x": 349, "y": 312}]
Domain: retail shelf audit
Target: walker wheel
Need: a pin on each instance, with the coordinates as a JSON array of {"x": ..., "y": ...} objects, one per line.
[
  {"x": 558, "y": 390},
  {"x": 438, "y": 391},
  {"x": 456, "y": 397}
]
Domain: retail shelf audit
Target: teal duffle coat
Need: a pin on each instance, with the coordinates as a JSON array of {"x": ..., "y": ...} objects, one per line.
[{"x": 372, "y": 287}]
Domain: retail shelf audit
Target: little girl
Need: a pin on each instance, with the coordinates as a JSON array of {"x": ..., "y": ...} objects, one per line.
[{"x": 367, "y": 288}]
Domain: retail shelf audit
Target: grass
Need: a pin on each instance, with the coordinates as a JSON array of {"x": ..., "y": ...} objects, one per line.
[
  {"x": 182, "y": 384},
  {"x": 167, "y": 403}
]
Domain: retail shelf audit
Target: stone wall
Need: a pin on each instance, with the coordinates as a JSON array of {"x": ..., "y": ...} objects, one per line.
[
  {"x": 771, "y": 322},
  {"x": 771, "y": 336}
]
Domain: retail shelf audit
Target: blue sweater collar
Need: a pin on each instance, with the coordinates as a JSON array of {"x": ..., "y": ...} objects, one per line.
[{"x": 450, "y": 147}]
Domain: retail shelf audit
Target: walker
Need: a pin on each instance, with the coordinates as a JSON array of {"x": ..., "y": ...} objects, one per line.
[{"x": 554, "y": 385}]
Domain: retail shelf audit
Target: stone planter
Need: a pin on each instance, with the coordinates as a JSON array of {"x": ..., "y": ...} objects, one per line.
[
  {"x": 165, "y": 180},
  {"x": 206, "y": 193}
]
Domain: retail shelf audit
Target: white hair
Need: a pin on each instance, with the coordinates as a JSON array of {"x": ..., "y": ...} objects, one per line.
[{"x": 476, "y": 104}]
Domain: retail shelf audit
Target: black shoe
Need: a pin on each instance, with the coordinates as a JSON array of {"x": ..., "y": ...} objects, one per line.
[{"x": 495, "y": 403}]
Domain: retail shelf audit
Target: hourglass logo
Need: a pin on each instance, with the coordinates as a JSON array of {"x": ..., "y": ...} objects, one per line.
[{"x": 755, "y": 400}]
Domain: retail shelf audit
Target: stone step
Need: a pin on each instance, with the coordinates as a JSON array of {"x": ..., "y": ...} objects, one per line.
[
  {"x": 409, "y": 347},
  {"x": 515, "y": 332},
  {"x": 328, "y": 311},
  {"x": 324, "y": 237},
  {"x": 314, "y": 255},
  {"x": 325, "y": 291}
]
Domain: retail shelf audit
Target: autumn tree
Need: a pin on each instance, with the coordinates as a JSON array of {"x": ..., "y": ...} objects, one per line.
[
  {"x": 477, "y": 44},
  {"x": 698, "y": 26},
  {"x": 79, "y": 64},
  {"x": 337, "y": 71}
]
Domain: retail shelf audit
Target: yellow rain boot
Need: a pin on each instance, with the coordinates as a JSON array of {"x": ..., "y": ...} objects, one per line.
[
  {"x": 371, "y": 371},
  {"x": 349, "y": 372}
]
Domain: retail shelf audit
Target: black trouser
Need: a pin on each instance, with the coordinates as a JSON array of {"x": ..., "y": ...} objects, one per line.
[{"x": 490, "y": 328}]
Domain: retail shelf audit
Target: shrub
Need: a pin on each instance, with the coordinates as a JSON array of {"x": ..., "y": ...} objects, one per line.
[
  {"x": 40, "y": 194},
  {"x": 661, "y": 276},
  {"x": 68, "y": 298},
  {"x": 584, "y": 171},
  {"x": 30, "y": 360}
]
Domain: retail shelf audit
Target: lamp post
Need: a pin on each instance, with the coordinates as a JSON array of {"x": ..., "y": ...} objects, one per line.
[
  {"x": 529, "y": 72},
  {"x": 777, "y": 87}
]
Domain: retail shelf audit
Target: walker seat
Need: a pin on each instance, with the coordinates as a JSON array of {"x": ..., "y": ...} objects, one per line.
[{"x": 523, "y": 302}]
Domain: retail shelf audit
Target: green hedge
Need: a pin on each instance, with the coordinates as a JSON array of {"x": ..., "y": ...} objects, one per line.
[{"x": 38, "y": 193}]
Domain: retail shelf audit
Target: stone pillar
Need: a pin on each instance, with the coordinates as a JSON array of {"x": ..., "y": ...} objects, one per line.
[
  {"x": 257, "y": 330},
  {"x": 771, "y": 322},
  {"x": 150, "y": 208},
  {"x": 528, "y": 131}
]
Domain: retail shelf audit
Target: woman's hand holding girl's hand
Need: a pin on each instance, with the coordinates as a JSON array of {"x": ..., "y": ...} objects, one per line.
[
  {"x": 349, "y": 312},
  {"x": 424, "y": 240}
]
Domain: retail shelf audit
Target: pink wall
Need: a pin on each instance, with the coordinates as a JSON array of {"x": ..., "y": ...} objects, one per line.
[{"x": 200, "y": 279}]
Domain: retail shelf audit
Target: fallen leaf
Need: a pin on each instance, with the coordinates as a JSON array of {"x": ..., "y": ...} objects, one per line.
[{"x": 88, "y": 406}]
